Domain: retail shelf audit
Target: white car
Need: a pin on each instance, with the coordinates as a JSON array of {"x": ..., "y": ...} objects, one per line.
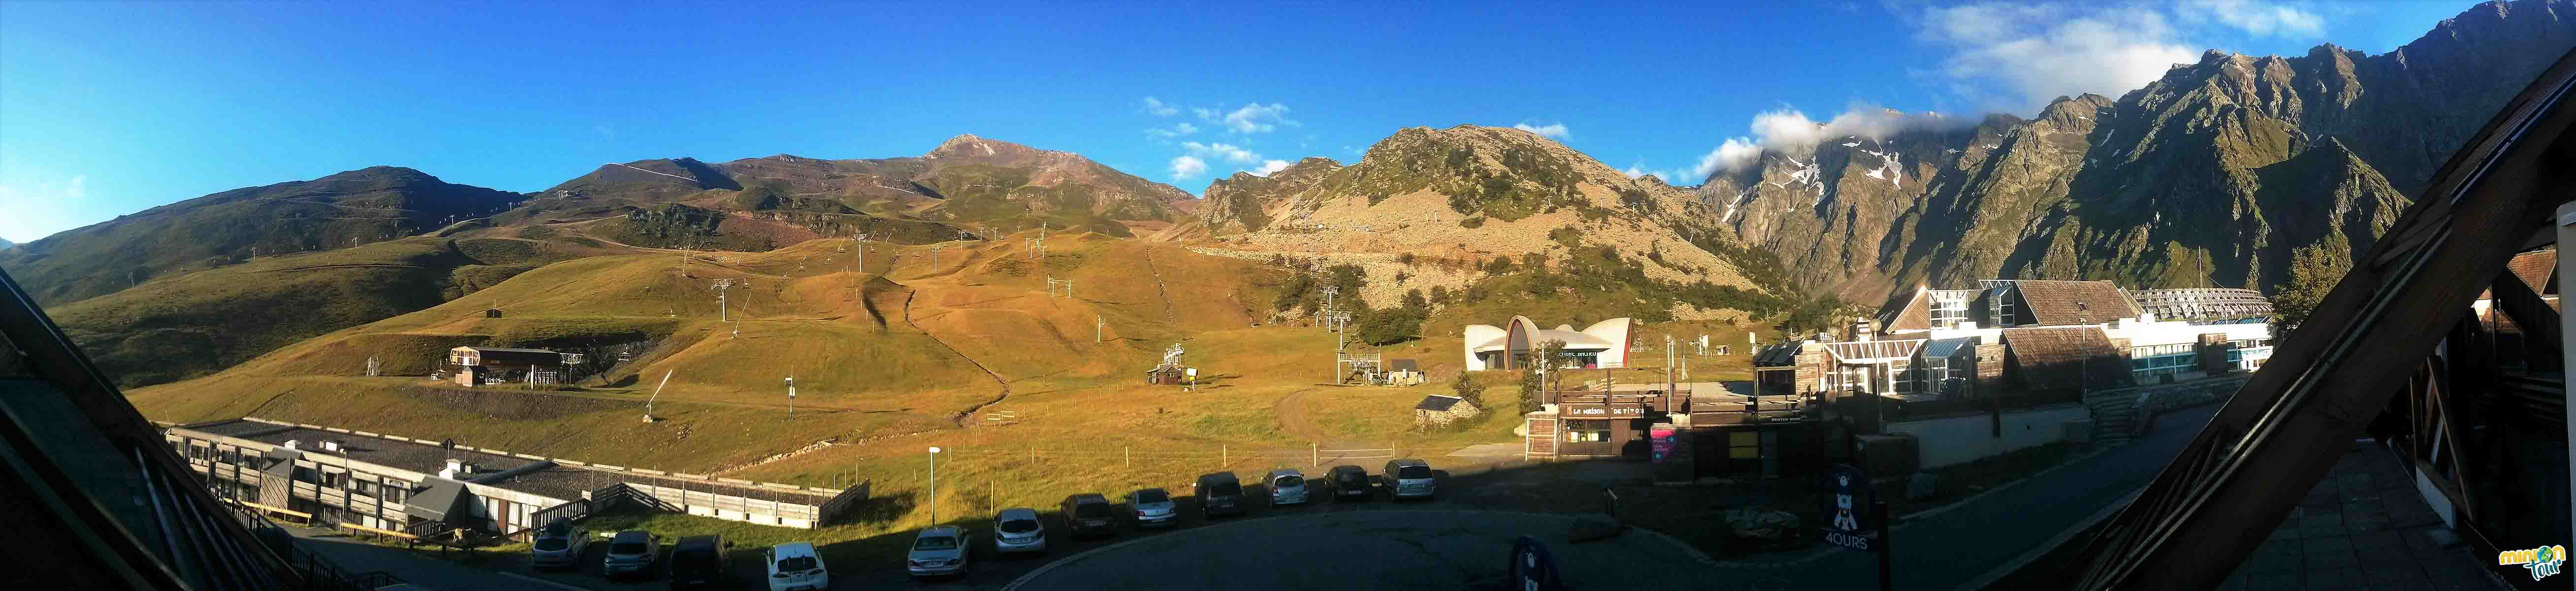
[
  {"x": 1287, "y": 487},
  {"x": 1018, "y": 530},
  {"x": 794, "y": 566}
]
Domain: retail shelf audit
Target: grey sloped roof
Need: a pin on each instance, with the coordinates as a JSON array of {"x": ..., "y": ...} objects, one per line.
[
  {"x": 512, "y": 350},
  {"x": 1779, "y": 355},
  {"x": 439, "y": 499},
  {"x": 1437, "y": 403}
]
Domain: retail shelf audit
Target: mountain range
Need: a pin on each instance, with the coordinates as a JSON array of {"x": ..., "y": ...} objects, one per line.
[
  {"x": 2213, "y": 175},
  {"x": 2216, "y": 174}
]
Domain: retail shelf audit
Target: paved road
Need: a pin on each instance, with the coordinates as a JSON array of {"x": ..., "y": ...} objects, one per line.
[
  {"x": 412, "y": 567},
  {"x": 1952, "y": 547},
  {"x": 1445, "y": 550}
]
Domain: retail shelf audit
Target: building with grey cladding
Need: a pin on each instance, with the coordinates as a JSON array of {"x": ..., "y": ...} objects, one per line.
[{"x": 418, "y": 486}]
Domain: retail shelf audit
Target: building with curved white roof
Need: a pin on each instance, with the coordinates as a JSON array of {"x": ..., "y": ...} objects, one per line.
[{"x": 1604, "y": 344}]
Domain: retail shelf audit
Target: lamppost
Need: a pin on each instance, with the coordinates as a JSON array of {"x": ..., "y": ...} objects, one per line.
[
  {"x": 791, "y": 397},
  {"x": 934, "y": 485},
  {"x": 2084, "y": 363}
]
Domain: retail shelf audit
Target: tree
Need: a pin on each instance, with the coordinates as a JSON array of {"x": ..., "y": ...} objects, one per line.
[
  {"x": 1534, "y": 378},
  {"x": 1413, "y": 299},
  {"x": 1468, "y": 390},
  {"x": 1290, "y": 295},
  {"x": 2314, "y": 270},
  {"x": 1347, "y": 277},
  {"x": 1388, "y": 326},
  {"x": 1440, "y": 294}
]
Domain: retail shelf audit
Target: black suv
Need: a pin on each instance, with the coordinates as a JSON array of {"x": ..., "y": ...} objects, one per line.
[
  {"x": 698, "y": 562},
  {"x": 1220, "y": 494},
  {"x": 1088, "y": 514},
  {"x": 1348, "y": 482}
]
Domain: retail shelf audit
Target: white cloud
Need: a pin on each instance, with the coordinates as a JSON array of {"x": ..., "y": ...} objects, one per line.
[
  {"x": 2256, "y": 17},
  {"x": 1156, "y": 107},
  {"x": 1177, "y": 129},
  {"x": 1221, "y": 151},
  {"x": 1552, "y": 130},
  {"x": 1187, "y": 167},
  {"x": 2039, "y": 52},
  {"x": 1258, "y": 118},
  {"x": 36, "y": 203},
  {"x": 1204, "y": 113},
  {"x": 1733, "y": 154},
  {"x": 1269, "y": 166}
]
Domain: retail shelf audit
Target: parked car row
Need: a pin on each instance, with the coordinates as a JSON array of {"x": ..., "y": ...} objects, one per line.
[
  {"x": 1221, "y": 494},
  {"x": 698, "y": 561},
  {"x": 695, "y": 562}
]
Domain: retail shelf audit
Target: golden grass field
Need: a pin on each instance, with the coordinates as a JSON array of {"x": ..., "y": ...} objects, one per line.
[{"x": 886, "y": 357}]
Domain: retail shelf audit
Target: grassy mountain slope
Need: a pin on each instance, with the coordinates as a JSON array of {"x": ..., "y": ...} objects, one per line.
[
  {"x": 1432, "y": 207},
  {"x": 197, "y": 323},
  {"x": 756, "y": 203},
  {"x": 333, "y": 212},
  {"x": 907, "y": 343}
]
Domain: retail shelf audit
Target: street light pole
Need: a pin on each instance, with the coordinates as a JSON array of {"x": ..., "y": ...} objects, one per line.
[
  {"x": 934, "y": 486},
  {"x": 791, "y": 397}
]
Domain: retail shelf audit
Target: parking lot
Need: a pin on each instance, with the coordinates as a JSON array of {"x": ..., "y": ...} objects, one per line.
[{"x": 1456, "y": 539}]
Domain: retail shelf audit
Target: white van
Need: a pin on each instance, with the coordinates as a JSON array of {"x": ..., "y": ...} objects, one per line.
[{"x": 794, "y": 566}]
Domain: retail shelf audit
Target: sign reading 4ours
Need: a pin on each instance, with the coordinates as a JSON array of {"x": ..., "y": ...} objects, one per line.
[
  {"x": 1847, "y": 500},
  {"x": 1853, "y": 516}
]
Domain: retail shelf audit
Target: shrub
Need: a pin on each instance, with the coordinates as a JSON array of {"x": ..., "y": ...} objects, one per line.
[{"x": 1389, "y": 326}]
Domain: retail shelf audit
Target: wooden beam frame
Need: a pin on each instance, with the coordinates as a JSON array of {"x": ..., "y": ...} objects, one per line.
[{"x": 2262, "y": 453}]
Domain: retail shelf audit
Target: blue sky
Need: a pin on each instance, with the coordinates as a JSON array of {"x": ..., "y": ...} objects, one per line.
[{"x": 106, "y": 109}]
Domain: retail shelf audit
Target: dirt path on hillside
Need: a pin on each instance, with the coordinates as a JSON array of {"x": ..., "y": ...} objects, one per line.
[
  {"x": 347, "y": 266},
  {"x": 1169, "y": 316},
  {"x": 962, "y": 416}
]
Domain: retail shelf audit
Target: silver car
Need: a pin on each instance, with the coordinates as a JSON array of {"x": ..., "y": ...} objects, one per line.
[
  {"x": 1153, "y": 507},
  {"x": 630, "y": 553},
  {"x": 1018, "y": 530},
  {"x": 558, "y": 545},
  {"x": 1287, "y": 487},
  {"x": 1409, "y": 478},
  {"x": 938, "y": 551}
]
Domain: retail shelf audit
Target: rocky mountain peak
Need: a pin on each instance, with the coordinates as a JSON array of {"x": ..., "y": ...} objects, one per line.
[{"x": 971, "y": 147}]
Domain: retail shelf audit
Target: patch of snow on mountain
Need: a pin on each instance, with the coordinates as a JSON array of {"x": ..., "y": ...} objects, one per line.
[
  {"x": 1807, "y": 173},
  {"x": 1741, "y": 198}
]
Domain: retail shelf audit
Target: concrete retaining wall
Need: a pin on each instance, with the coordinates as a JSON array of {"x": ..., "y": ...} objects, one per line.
[{"x": 1959, "y": 440}]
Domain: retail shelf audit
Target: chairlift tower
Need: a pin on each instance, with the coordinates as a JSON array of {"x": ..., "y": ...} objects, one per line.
[
  {"x": 1329, "y": 290},
  {"x": 1053, "y": 283},
  {"x": 722, "y": 313},
  {"x": 1037, "y": 245}
]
